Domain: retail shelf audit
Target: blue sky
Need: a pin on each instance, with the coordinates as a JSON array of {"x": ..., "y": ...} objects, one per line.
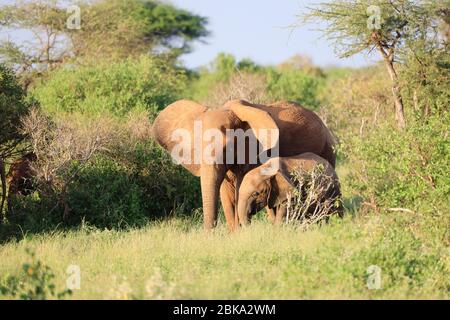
[{"x": 260, "y": 30}]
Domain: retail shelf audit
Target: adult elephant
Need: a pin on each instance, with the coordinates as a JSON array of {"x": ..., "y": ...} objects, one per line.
[{"x": 300, "y": 130}]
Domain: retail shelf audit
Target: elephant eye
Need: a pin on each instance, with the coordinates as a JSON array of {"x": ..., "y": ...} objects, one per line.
[{"x": 255, "y": 194}]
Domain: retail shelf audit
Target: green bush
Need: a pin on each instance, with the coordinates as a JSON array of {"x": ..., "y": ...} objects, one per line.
[
  {"x": 115, "y": 193},
  {"x": 407, "y": 169},
  {"x": 36, "y": 282},
  {"x": 127, "y": 180},
  {"x": 13, "y": 105},
  {"x": 293, "y": 85},
  {"x": 424, "y": 78},
  {"x": 218, "y": 73},
  {"x": 147, "y": 83},
  {"x": 288, "y": 83}
]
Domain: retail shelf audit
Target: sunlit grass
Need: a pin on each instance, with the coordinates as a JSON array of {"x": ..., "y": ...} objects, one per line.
[{"x": 177, "y": 259}]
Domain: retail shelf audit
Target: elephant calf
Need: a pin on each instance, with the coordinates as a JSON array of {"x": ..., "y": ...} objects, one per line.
[{"x": 270, "y": 185}]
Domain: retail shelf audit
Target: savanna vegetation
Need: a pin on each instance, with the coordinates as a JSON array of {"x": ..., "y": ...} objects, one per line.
[{"x": 106, "y": 198}]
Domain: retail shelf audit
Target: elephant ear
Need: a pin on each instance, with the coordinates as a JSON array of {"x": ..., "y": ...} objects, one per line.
[
  {"x": 259, "y": 121},
  {"x": 179, "y": 115}
]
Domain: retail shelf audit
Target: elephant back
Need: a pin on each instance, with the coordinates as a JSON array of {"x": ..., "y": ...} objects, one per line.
[{"x": 301, "y": 130}]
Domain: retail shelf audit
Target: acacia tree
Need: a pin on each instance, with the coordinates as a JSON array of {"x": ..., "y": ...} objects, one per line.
[
  {"x": 387, "y": 26},
  {"x": 107, "y": 30}
]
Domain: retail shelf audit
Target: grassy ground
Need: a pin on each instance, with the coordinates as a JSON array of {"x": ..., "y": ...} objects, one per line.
[{"x": 176, "y": 259}]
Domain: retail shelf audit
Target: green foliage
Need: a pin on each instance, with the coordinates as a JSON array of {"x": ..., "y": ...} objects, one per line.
[
  {"x": 13, "y": 105},
  {"x": 293, "y": 85},
  {"x": 114, "y": 192},
  {"x": 425, "y": 77},
  {"x": 109, "y": 30},
  {"x": 135, "y": 27},
  {"x": 351, "y": 24},
  {"x": 407, "y": 169},
  {"x": 218, "y": 72},
  {"x": 147, "y": 83},
  {"x": 36, "y": 282}
]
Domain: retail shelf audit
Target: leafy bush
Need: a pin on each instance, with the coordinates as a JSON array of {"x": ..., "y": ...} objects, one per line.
[
  {"x": 407, "y": 169},
  {"x": 115, "y": 193},
  {"x": 36, "y": 283},
  {"x": 147, "y": 83},
  {"x": 96, "y": 162},
  {"x": 216, "y": 81},
  {"x": 13, "y": 105},
  {"x": 102, "y": 171},
  {"x": 226, "y": 78},
  {"x": 293, "y": 85}
]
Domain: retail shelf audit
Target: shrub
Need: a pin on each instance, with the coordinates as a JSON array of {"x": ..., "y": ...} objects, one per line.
[
  {"x": 36, "y": 283},
  {"x": 101, "y": 171},
  {"x": 147, "y": 83},
  {"x": 13, "y": 105},
  {"x": 407, "y": 169},
  {"x": 293, "y": 85},
  {"x": 225, "y": 77},
  {"x": 241, "y": 85},
  {"x": 315, "y": 198}
]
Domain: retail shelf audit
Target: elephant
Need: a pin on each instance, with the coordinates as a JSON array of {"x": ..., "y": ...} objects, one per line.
[
  {"x": 262, "y": 188},
  {"x": 299, "y": 130},
  {"x": 20, "y": 178},
  {"x": 20, "y": 175}
]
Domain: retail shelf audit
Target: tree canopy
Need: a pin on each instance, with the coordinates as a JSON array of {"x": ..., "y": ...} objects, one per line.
[
  {"x": 393, "y": 28},
  {"x": 107, "y": 30},
  {"x": 13, "y": 106}
]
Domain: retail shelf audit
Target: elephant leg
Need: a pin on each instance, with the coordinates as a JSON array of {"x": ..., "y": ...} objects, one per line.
[
  {"x": 227, "y": 198},
  {"x": 281, "y": 214},
  {"x": 237, "y": 182},
  {"x": 271, "y": 214}
]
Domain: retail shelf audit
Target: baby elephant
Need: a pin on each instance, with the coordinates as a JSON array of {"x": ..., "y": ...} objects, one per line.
[{"x": 270, "y": 184}]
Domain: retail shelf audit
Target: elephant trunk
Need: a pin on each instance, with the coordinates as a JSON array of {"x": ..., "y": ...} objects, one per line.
[
  {"x": 243, "y": 211},
  {"x": 210, "y": 180}
]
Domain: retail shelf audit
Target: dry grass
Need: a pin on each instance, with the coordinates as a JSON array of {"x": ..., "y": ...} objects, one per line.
[
  {"x": 241, "y": 85},
  {"x": 65, "y": 145},
  {"x": 315, "y": 198}
]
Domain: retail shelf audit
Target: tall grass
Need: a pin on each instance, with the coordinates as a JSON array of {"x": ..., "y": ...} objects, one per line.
[{"x": 176, "y": 259}]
